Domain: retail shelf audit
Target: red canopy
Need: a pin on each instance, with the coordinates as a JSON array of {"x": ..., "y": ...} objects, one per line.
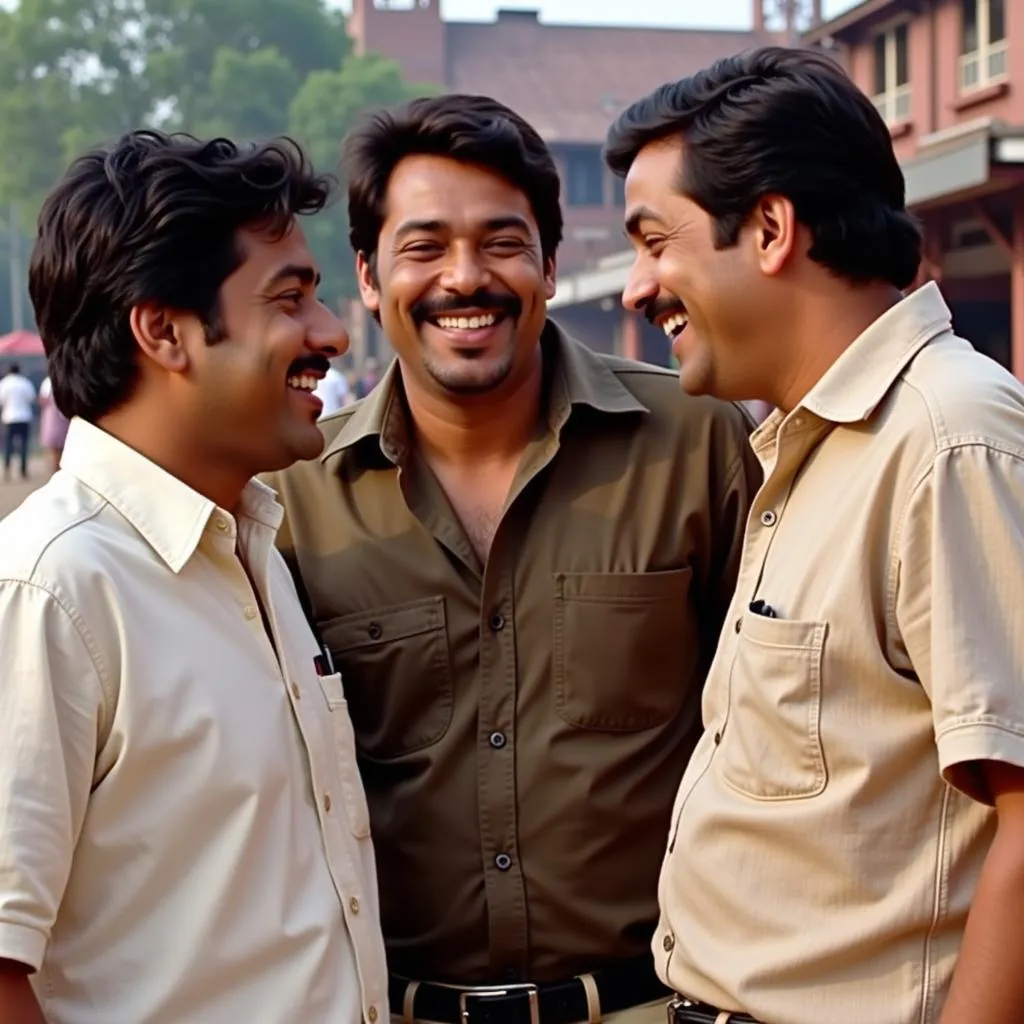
[{"x": 21, "y": 343}]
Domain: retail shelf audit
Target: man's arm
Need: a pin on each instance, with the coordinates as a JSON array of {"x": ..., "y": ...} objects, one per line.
[
  {"x": 51, "y": 702},
  {"x": 958, "y": 601},
  {"x": 988, "y": 986},
  {"x": 17, "y": 1000}
]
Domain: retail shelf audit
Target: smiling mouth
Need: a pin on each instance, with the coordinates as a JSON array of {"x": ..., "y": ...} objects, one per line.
[
  {"x": 674, "y": 325},
  {"x": 303, "y": 382},
  {"x": 470, "y": 322}
]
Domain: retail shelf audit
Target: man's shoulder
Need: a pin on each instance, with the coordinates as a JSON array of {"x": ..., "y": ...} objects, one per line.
[
  {"x": 658, "y": 388},
  {"x": 958, "y": 395},
  {"x": 53, "y": 535}
]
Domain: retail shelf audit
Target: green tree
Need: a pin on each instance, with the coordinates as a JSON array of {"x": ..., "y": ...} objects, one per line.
[{"x": 322, "y": 112}]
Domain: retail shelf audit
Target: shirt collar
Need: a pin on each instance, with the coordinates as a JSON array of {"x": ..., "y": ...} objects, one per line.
[
  {"x": 166, "y": 512},
  {"x": 860, "y": 378},
  {"x": 579, "y": 377}
]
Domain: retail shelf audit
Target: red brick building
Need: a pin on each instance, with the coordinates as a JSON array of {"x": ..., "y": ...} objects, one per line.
[{"x": 569, "y": 82}]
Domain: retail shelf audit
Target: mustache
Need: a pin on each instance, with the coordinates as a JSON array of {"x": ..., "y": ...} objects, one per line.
[
  {"x": 314, "y": 362},
  {"x": 425, "y": 308},
  {"x": 655, "y": 308}
]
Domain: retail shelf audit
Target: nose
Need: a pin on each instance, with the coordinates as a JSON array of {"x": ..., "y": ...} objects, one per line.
[
  {"x": 326, "y": 334},
  {"x": 641, "y": 287},
  {"x": 464, "y": 272}
]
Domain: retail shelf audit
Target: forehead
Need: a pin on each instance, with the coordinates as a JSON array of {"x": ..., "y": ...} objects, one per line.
[
  {"x": 652, "y": 183},
  {"x": 458, "y": 195},
  {"x": 267, "y": 256}
]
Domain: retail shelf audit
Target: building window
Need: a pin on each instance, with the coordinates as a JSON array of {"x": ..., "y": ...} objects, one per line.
[
  {"x": 983, "y": 44},
  {"x": 892, "y": 74},
  {"x": 584, "y": 176}
]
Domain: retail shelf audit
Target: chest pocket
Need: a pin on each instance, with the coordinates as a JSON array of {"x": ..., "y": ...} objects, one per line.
[
  {"x": 771, "y": 745},
  {"x": 625, "y": 648},
  {"x": 344, "y": 743},
  {"x": 397, "y": 674}
]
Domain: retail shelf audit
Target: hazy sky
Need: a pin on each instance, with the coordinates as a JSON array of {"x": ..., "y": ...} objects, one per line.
[{"x": 693, "y": 13}]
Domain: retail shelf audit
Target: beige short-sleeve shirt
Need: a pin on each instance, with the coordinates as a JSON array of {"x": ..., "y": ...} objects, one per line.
[
  {"x": 183, "y": 833},
  {"x": 831, "y": 827}
]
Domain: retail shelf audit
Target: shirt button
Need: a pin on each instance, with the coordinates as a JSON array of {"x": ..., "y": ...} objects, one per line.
[
  {"x": 222, "y": 525},
  {"x": 498, "y": 740},
  {"x": 249, "y": 611},
  {"x": 668, "y": 943},
  {"x": 327, "y": 802},
  {"x": 768, "y": 517},
  {"x": 371, "y": 1015},
  {"x": 497, "y": 622},
  {"x": 503, "y": 862},
  {"x": 739, "y": 624},
  {"x": 718, "y": 738},
  {"x": 353, "y": 905},
  {"x": 296, "y": 692},
  {"x": 374, "y": 631}
]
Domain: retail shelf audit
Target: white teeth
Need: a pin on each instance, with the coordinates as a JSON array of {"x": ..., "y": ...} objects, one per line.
[
  {"x": 303, "y": 382},
  {"x": 466, "y": 323},
  {"x": 674, "y": 324}
]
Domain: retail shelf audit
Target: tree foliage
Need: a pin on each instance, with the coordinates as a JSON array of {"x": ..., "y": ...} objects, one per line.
[{"x": 74, "y": 73}]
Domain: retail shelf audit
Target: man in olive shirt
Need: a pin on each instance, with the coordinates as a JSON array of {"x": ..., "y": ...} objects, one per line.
[{"x": 519, "y": 554}]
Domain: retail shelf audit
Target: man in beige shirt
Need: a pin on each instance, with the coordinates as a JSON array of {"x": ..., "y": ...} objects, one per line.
[
  {"x": 183, "y": 833},
  {"x": 847, "y": 845}
]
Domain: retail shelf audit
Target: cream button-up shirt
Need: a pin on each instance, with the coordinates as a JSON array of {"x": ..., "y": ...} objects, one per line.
[
  {"x": 183, "y": 832},
  {"x": 829, "y": 832}
]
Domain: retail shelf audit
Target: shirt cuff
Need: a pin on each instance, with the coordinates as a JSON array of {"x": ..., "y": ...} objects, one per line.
[
  {"x": 22, "y": 944},
  {"x": 963, "y": 744}
]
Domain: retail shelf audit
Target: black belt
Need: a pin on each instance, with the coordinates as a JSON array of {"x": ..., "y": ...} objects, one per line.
[
  {"x": 687, "y": 1011},
  {"x": 561, "y": 1002}
]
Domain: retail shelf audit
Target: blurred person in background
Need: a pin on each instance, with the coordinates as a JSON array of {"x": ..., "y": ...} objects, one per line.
[
  {"x": 17, "y": 412},
  {"x": 518, "y": 553},
  {"x": 183, "y": 833},
  {"x": 333, "y": 391},
  {"x": 848, "y": 841},
  {"x": 53, "y": 425}
]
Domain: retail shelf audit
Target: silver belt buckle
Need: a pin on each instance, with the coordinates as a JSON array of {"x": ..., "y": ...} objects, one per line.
[
  {"x": 678, "y": 1003},
  {"x": 496, "y": 993}
]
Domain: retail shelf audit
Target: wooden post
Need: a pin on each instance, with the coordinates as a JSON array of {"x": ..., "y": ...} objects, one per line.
[{"x": 1017, "y": 289}]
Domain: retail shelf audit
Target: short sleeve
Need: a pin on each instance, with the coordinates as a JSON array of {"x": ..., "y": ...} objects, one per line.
[
  {"x": 50, "y": 710},
  {"x": 959, "y": 607}
]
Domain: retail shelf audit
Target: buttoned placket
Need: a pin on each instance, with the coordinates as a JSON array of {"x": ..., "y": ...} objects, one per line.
[
  {"x": 254, "y": 542},
  {"x": 781, "y": 456}
]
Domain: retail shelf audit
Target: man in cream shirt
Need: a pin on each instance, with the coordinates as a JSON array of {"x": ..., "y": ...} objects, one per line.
[{"x": 183, "y": 832}]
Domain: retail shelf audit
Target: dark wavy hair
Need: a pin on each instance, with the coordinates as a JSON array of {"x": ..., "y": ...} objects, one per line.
[
  {"x": 786, "y": 122},
  {"x": 471, "y": 129},
  {"x": 154, "y": 218}
]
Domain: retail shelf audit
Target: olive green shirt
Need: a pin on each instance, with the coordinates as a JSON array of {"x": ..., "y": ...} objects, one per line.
[{"x": 523, "y": 725}]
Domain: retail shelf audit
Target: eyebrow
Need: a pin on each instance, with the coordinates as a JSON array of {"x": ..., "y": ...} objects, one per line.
[
  {"x": 300, "y": 271},
  {"x": 637, "y": 217},
  {"x": 411, "y": 227}
]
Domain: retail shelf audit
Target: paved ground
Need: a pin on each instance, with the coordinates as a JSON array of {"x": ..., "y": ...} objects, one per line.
[{"x": 14, "y": 492}]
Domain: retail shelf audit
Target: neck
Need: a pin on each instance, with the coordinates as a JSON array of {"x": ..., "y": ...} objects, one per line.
[
  {"x": 175, "y": 453},
  {"x": 827, "y": 328},
  {"x": 495, "y": 426}
]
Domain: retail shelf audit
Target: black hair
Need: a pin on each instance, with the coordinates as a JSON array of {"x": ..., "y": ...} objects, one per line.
[
  {"x": 14, "y": 368},
  {"x": 154, "y": 218},
  {"x": 471, "y": 129},
  {"x": 788, "y": 122}
]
